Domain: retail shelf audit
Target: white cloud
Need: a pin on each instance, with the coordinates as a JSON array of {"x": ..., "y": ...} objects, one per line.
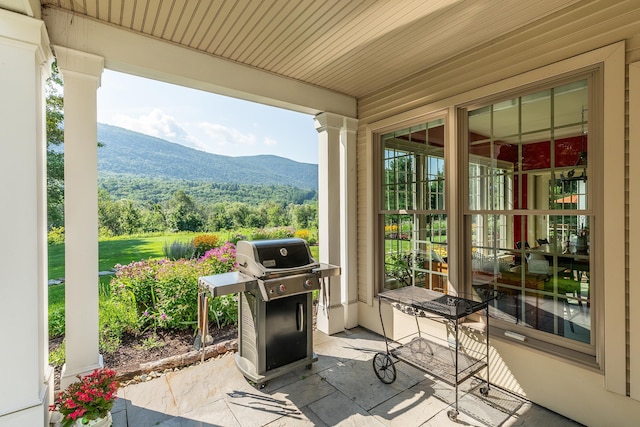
[
  {"x": 205, "y": 136},
  {"x": 160, "y": 125},
  {"x": 221, "y": 136}
]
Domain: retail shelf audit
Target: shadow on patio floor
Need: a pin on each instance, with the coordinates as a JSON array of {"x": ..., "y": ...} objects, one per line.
[{"x": 341, "y": 388}]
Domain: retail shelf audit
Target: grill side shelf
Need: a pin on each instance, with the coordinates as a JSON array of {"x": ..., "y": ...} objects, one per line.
[
  {"x": 327, "y": 270},
  {"x": 228, "y": 283}
]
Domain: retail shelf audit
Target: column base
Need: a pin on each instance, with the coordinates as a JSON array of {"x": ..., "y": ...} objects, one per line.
[
  {"x": 351, "y": 315},
  {"x": 67, "y": 378},
  {"x": 33, "y": 413},
  {"x": 330, "y": 320}
]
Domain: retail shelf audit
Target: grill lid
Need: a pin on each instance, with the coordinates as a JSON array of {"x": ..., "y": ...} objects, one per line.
[{"x": 266, "y": 258}]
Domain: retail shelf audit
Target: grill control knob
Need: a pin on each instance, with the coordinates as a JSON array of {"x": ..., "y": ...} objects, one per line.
[
  {"x": 282, "y": 288},
  {"x": 308, "y": 283}
]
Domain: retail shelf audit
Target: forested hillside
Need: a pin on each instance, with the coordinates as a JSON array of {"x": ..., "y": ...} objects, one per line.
[
  {"x": 136, "y": 154},
  {"x": 160, "y": 190},
  {"x": 151, "y": 185}
]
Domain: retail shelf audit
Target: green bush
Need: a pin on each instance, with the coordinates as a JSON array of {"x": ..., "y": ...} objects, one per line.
[
  {"x": 204, "y": 243},
  {"x": 116, "y": 316},
  {"x": 56, "y": 235},
  {"x": 57, "y": 356},
  {"x": 236, "y": 238},
  {"x": 273, "y": 233},
  {"x": 136, "y": 281},
  {"x": 176, "y": 293},
  {"x": 179, "y": 250},
  {"x": 56, "y": 321},
  {"x": 307, "y": 235},
  {"x": 165, "y": 292}
]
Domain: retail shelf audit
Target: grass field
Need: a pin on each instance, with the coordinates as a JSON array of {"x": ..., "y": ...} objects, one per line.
[{"x": 121, "y": 250}]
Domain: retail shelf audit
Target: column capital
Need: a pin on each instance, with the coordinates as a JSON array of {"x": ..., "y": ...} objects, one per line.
[
  {"x": 325, "y": 121},
  {"x": 350, "y": 124},
  {"x": 75, "y": 62},
  {"x": 19, "y": 28}
]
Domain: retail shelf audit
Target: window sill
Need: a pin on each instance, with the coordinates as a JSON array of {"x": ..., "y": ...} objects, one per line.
[{"x": 556, "y": 351}]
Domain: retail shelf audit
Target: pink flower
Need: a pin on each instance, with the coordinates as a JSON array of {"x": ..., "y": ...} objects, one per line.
[{"x": 90, "y": 398}]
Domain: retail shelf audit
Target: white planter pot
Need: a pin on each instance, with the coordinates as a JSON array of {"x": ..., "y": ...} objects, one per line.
[{"x": 102, "y": 422}]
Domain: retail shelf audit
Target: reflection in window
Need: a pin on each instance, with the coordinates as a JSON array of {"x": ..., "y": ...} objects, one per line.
[
  {"x": 527, "y": 159},
  {"x": 413, "y": 207}
]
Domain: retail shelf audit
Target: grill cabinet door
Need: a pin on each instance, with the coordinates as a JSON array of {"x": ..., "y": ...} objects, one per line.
[{"x": 286, "y": 330}]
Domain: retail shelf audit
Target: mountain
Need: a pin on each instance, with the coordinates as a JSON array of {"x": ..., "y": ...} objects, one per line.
[{"x": 129, "y": 153}]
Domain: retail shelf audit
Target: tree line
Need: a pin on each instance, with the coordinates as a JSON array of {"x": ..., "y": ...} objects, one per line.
[
  {"x": 128, "y": 205},
  {"x": 159, "y": 190},
  {"x": 182, "y": 213}
]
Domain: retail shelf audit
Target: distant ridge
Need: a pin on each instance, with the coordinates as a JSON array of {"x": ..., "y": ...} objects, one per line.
[{"x": 132, "y": 153}]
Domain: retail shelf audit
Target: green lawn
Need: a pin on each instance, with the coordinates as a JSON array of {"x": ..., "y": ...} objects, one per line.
[{"x": 122, "y": 250}]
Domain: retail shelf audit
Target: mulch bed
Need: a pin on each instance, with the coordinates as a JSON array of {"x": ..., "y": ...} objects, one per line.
[{"x": 132, "y": 353}]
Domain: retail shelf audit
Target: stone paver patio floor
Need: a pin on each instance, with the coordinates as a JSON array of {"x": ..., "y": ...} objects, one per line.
[{"x": 341, "y": 388}]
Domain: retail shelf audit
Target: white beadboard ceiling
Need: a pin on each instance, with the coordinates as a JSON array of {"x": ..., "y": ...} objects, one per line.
[{"x": 354, "y": 47}]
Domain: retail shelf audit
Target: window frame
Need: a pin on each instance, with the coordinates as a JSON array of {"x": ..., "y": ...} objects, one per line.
[
  {"x": 592, "y": 75},
  {"x": 380, "y": 185},
  {"x": 610, "y": 313}
]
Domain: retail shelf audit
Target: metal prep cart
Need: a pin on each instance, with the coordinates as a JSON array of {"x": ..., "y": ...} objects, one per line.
[{"x": 447, "y": 362}]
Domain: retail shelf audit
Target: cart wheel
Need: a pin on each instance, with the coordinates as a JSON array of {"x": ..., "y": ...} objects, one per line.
[
  {"x": 484, "y": 391},
  {"x": 384, "y": 368},
  {"x": 453, "y": 414}
]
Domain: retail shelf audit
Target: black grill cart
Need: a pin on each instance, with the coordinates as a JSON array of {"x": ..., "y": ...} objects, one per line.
[{"x": 446, "y": 361}]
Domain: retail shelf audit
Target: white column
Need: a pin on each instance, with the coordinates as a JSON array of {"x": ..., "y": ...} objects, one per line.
[
  {"x": 26, "y": 380},
  {"x": 331, "y": 314},
  {"x": 348, "y": 232},
  {"x": 81, "y": 74}
]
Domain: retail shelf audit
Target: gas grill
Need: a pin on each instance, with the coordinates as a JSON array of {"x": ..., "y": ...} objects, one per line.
[{"x": 275, "y": 280}]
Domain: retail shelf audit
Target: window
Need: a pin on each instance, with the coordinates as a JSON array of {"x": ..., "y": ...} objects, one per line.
[
  {"x": 528, "y": 213},
  {"x": 413, "y": 207}
]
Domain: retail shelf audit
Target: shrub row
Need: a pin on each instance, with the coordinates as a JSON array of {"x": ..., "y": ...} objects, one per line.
[
  {"x": 203, "y": 242},
  {"x": 159, "y": 294},
  {"x": 165, "y": 292}
]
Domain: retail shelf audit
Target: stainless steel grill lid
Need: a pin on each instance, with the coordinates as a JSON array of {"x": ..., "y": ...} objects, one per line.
[
  {"x": 272, "y": 258},
  {"x": 276, "y": 268}
]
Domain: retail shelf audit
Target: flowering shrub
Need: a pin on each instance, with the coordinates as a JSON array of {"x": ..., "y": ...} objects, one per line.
[
  {"x": 55, "y": 235},
  {"x": 179, "y": 250},
  {"x": 305, "y": 234},
  {"x": 273, "y": 233},
  {"x": 137, "y": 281},
  {"x": 302, "y": 234},
  {"x": 220, "y": 260},
  {"x": 204, "y": 242},
  {"x": 236, "y": 238},
  {"x": 89, "y": 399},
  {"x": 166, "y": 292}
]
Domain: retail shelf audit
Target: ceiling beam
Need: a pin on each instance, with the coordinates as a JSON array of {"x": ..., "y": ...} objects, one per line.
[
  {"x": 128, "y": 52},
  {"x": 24, "y": 7}
]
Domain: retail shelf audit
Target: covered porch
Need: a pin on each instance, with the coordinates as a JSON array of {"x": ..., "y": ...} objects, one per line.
[{"x": 363, "y": 70}]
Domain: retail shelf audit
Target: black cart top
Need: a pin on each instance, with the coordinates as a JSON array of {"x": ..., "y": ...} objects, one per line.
[{"x": 448, "y": 306}]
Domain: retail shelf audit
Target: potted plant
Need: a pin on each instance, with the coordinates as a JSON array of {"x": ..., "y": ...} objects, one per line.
[{"x": 88, "y": 402}]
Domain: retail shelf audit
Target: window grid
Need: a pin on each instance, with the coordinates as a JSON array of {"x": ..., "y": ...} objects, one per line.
[
  {"x": 541, "y": 261},
  {"x": 413, "y": 207}
]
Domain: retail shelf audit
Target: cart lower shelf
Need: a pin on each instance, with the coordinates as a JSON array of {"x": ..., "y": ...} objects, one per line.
[{"x": 438, "y": 360}]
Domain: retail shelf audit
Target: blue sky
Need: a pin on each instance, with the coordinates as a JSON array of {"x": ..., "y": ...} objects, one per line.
[{"x": 205, "y": 121}]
